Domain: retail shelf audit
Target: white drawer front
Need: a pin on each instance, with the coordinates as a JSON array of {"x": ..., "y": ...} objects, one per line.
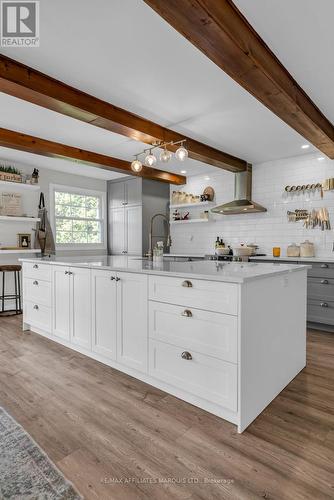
[
  {"x": 209, "y": 295},
  {"x": 37, "y": 271},
  {"x": 206, "y": 332},
  {"x": 37, "y": 315},
  {"x": 37, "y": 291},
  {"x": 203, "y": 376}
]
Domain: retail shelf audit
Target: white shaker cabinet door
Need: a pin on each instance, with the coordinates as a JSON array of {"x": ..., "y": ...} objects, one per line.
[
  {"x": 80, "y": 307},
  {"x": 132, "y": 320},
  {"x": 133, "y": 224},
  {"x": 61, "y": 302},
  {"x": 117, "y": 234},
  {"x": 104, "y": 313}
]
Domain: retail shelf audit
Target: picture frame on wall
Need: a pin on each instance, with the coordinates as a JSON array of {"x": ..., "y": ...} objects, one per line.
[{"x": 24, "y": 240}]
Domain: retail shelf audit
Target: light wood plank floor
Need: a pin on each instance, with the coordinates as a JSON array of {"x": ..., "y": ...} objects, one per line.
[{"x": 118, "y": 438}]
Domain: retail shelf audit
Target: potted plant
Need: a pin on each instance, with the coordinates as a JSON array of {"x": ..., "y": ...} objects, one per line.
[{"x": 10, "y": 174}]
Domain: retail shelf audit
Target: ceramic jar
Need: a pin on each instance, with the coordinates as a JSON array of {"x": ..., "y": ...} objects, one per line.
[
  {"x": 293, "y": 250},
  {"x": 307, "y": 249}
]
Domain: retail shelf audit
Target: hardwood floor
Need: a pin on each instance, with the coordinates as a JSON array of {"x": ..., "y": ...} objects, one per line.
[{"x": 117, "y": 438}]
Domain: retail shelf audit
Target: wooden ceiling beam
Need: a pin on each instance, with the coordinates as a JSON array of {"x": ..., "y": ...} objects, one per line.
[
  {"x": 23, "y": 142},
  {"x": 222, "y": 33},
  {"x": 24, "y": 82}
]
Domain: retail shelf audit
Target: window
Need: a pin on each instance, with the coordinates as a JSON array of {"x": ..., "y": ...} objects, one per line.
[{"x": 78, "y": 217}]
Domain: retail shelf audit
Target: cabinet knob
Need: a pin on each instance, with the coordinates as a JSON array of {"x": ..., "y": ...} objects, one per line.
[
  {"x": 324, "y": 266},
  {"x": 186, "y": 355},
  {"x": 118, "y": 279},
  {"x": 324, "y": 304},
  {"x": 124, "y": 251},
  {"x": 35, "y": 283},
  {"x": 67, "y": 272},
  {"x": 112, "y": 278},
  {"x": 70, "y": 273},
  {"x": 187, "y": 314},
  {"x": 324, "y": 282},
  {"x": 35, "y": 266},
  {"x": 187, "y": 284},
  {"x": 36, "y": 307}
]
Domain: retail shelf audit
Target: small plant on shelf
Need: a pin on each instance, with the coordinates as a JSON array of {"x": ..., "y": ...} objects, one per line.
[{"x": 9, "y": 173}]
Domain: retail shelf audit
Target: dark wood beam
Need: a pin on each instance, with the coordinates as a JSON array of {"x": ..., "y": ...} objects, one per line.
[
  {"x": 221, "y": 32},
  {"x": 26, "y": 83},
  {"x": 23, "y": 142}
]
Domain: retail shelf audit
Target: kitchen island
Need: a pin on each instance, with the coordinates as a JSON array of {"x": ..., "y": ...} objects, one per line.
[{"x": 226, "y": 337}]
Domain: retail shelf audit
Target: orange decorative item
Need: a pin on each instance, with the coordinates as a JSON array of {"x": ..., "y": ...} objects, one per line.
[{"x": 276, "y": 252}]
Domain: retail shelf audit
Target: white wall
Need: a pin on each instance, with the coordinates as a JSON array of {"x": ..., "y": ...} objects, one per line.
[
  {"x": 30, "y": 200},
  {"x": 266, "y": 229}
]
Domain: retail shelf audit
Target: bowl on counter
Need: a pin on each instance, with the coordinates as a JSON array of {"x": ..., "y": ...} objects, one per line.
[
  {"x": 222, "y": 251},
  {"x": 243, "y": 251}
]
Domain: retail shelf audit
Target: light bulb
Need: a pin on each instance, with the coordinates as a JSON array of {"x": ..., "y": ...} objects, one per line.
[
  {"x": 136, "y": 165},
  {"x": 150, "y": 160},
  {"x": 165, "y": 155},
  {"x": 181, "y": 153}
]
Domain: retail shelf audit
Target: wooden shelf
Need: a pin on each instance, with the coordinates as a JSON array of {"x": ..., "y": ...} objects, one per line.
[
  {"x": 28, "y": 250},
  {"x": 8, "y": 218},
  {"x": 20, "y": 186},
  {"x": 191, "y": 221},
  {"x": 191, "y": 205}
]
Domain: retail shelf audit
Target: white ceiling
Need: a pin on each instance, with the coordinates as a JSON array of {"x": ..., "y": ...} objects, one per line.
[
  {"x": 300, "y": 33},
  {"x": 123, "y": 52}
]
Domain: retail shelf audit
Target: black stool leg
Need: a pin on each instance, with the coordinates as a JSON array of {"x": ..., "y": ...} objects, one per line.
[
  {"x": 15, "y": 285},
  {"x": 3, "y": 292},
  {"x": 18, "y": 280}
]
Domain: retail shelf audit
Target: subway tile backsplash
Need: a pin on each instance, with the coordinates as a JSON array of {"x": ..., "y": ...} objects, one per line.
[{"x": 266, "y": 229}]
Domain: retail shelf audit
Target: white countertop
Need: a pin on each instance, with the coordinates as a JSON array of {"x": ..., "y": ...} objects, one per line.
[
  {"x": 295, "y": 259},
  {"x": 232, "y": 272}
]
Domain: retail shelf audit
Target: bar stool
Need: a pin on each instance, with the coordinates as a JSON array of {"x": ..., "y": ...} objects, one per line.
[{"x": 17, "y": 287}]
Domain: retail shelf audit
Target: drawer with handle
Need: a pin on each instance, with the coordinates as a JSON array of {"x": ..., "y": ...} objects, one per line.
[
  {"x": 320, "y": 311},
  {"x": 37, "y": 315},
  {"x": 320, "y": 288},
  {"x": 203, "y": 376},
  {"x": 37, "y": 271},
  {"x": 38, "y": 291},
  {"x": 209, "y": 295},
  {"x": 321, "y": 270},
  {"x": 206, "y": 332}
]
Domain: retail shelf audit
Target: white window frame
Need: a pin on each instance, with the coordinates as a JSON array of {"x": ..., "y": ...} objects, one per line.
[{"x": 85, "y": 192}]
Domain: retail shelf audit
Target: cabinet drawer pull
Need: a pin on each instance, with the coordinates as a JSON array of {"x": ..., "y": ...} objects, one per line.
[
  {"x": 187, "y": 284},
  {"x": 186, "y": 355},
  {"x": 323, "y": 304},
  {"x": 35, "y": 266},
  {"x": 324, "y": 266},
  {"x": 36, "y": 307},
  {"x": 324, "y": 282},
  {"x": 35, "y": 283},
  {"x": 187, "y": 314}
]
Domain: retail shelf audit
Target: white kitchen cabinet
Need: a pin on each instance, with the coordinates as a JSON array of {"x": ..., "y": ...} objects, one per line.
[
  {"x": 126, "y": 230},
  {"x": 133, "y": 225},
  {"x": 61, "y": 302},
  {"x": 71, "y": 318},
  {"x": 132, "y": 320},
  {"x": 80, "y": 307},
  {"x": 117, "y": 241},
  {"x": 104, "y": 313}
]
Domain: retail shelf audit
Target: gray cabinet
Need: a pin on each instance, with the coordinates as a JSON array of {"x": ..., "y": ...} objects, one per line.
[
  {"x": 131, "y": 204},
  {"x": 320, "y": 293}
]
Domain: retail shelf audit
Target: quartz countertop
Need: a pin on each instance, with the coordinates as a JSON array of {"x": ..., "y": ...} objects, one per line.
[
  {"x": 295, "y": 259},
  {"x": 232, "y": 272}
]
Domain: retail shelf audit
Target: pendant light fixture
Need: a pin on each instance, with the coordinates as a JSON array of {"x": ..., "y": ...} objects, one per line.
[
  {"x": 181, "y": 153},
  {"x": 150, "y": 159},
  {"x": 165, "y": 155},
  {"x": 136, "y": 165}
]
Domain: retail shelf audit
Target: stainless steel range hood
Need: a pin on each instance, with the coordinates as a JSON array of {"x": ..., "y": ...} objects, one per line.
[{"x": 242, "y": 203}]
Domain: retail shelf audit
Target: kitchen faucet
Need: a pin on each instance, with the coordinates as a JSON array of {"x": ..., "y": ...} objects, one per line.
[{"x": 169, "y": 239}]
